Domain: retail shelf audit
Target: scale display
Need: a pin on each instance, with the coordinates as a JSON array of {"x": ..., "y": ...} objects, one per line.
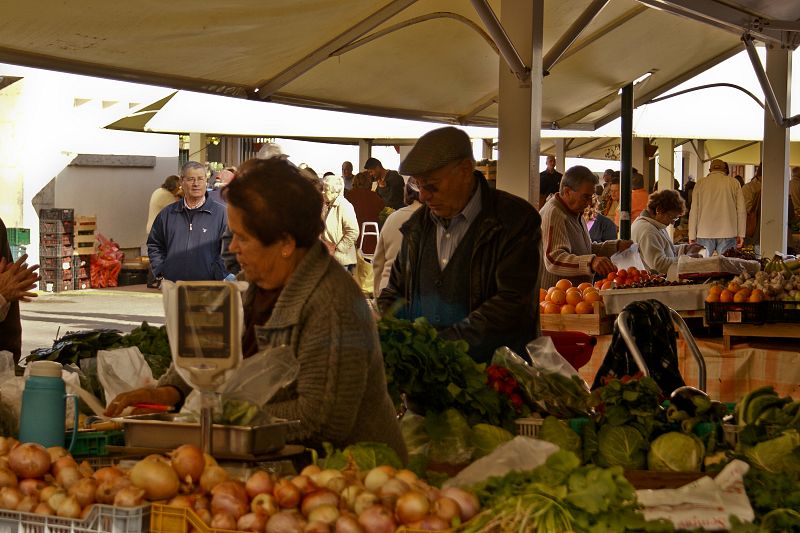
[{"x": 204, "y": 321}]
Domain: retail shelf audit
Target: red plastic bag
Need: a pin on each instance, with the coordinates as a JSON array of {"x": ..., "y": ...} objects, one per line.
[{"x": 106, "y": 263}]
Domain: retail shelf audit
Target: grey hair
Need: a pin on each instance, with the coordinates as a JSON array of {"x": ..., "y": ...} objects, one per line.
[
  {"x": 189, "y": 165},
  {"x": 333, "y": 183},
  {"x": 576, "y": 176}
]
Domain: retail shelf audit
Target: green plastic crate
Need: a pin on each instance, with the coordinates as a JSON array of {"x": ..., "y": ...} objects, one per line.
[
  {"x": 18, "y": 236},
  {"x": 94, "y": 443}
]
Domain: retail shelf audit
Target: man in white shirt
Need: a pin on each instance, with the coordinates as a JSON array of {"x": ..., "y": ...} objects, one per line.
[{"x": 718, "y": 216}]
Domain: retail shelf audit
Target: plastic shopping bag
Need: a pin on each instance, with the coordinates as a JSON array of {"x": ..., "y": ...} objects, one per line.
[
  {"x": 628, "y": 258},
  {"x": 123, "y": 370}
]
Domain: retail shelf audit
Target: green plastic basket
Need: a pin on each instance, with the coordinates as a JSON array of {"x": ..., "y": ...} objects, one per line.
[{"x": 94, "y": 443}]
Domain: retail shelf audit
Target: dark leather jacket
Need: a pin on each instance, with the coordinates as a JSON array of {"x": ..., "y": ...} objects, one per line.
[{"x": 503, "y": 277}]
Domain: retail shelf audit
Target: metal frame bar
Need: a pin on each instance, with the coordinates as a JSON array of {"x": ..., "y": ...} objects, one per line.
[
  {"x": 507, "y": 50},
  {"x": 770, "y": 99},
  {"x": 572, "y": 33},
  {"x": 324, "y": 52}
]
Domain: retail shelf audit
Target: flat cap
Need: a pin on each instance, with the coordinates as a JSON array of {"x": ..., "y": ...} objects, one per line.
[
  {"x": 435, "y": 149},
  {"x": 717, "y": 164}
]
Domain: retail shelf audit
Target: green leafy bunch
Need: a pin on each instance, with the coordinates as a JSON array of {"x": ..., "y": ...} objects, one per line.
[{"x": 631, "y": 402}]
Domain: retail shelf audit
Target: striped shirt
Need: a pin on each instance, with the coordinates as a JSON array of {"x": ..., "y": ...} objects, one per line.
[{"x": 450, "y": 232}]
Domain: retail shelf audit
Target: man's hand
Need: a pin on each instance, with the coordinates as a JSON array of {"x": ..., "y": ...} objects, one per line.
[
  {"x": 623, "y": 245},
  {"x": 159, "y": 395},
  {"x": 330, "y": 246},
  {"x": 17, "y": 280},
  {"x": 739, "y": 242},
  {"x": 602, "y": 265}
]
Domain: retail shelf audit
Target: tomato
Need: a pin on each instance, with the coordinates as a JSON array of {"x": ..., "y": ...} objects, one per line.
[
  {"x": 611, "y": 276},
  {"x": 622, "y": 273}
]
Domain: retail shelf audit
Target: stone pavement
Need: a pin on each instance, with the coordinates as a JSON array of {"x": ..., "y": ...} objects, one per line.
[{"x": 51, "y": 315}]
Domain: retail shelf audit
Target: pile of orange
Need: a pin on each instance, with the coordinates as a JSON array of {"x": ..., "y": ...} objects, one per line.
[
  {"x": 732, "y": 292},
  {"x": 568, "y": 300}
]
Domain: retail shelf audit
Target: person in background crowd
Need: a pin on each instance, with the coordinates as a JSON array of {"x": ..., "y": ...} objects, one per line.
[
  {"x": 347, "y": 175},
  {"x": 367, "y": 205},
  {"x": 601, "y": 228},
  {"x": 718, "y": 215},
  {"x": 169, "y": 192},
  {"x": 638, "y": 196},
  {"x": 185, "y": 241},
  {"x": 568, "y": 250},
  {"x": 649, "y": 230},
  {"x": 341, "y": 225},
  {"x": 794, "y": 196},
  {"x": 611, "y": 207},
  {"x": 602, "y": 188},
  {"x": 300, "y": 304},
  {"x": 470, "y": 258},
  {"x": 549, "y": 179},
  {"x": 751, "y": 192},
  {"x": 327, "y": 174},
  {"x": 390, "y": 183},
  {"x": 223, "y": 178},
  {"x": 17, "y": 282},
  {"x": 390, "y": 237},
  {"x": 740, "y": 179}
]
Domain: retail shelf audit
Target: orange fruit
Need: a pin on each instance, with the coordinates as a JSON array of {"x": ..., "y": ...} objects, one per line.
[
  {"x": 563, "y": 284},
  {"x": 745, "y": 290},
  {"x": 542, "y": 305},
  {"x": 713, "y": 297},
  {"x": 587, "y": 290},
  {"x": 552, "y": 309},
  {"x": 592, "y": 297},
  {"x": 585, "y": 285},
  {"x": 715, "y": 289},
  {"x": 607, "y": 285},
  {"x": 558, "y": 297},
  {"x": 550, "y": 290},
  {"x": 726, "y": 296},
  {"x": 756, "y": 296},
  {"x": 584, "y": 308},
  {"x": 740, "y": 297},
  {"x": 733, "y": 287},
  {"x": 542, "y": 295},
  {"x": 574, "y": 297},
  {"x": 567, "y": 309}
]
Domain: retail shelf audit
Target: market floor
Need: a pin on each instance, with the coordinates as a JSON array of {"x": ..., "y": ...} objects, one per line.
[{"x": 51, "y": 315}]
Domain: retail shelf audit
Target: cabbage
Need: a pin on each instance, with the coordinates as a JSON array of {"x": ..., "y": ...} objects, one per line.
[
  {"x": 485, "y": 438},
  {"x": 450, "y": 437},
  {"x": 781, "y": 454},
  {"x": 412, "y": 427},
  {"x": 367, "y": 455},
  {"x": 559, "y": 433},
  {"x": 676, "y": 452},
  {"x": 621, "y": 445}
]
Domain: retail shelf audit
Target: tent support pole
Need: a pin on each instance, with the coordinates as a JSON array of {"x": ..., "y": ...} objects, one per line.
[
  {"x": 769, "y": 94},
  {"x": 626, "y": 162},
  {"x": 500, "y": 37},
  {"x": 572, "y": 33}
]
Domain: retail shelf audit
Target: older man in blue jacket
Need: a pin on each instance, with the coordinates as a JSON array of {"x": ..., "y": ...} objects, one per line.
[{"x": 186, "y": 238}]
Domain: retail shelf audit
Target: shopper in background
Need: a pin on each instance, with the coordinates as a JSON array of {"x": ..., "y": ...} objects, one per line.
[
  {"x": 391, "y": 238},
  {"x": 610, "y": 208},
  {"x": 649, "y": 230},
  {"x": 367, "y": 205},
  {"x": 185, "y": 241},
  {"x": 17, "y": 281},
  {"x": 347, "y": 175},
  {"x": 601, "y": 228},
  {"x": 794, "y": 196},
  {"x": 223, "y": 178},
  {"x": 169, "y": 192},
  {"x": 717, "y": 219},
  {"x": 549, "y": 180},
  {"x": 638, "y": 197},
  {"x": 390, "y": 183},
  {"x": 300, "y": 303},
  {"x": 751, "y": 192},
  {"x": 341, "y": 225}
]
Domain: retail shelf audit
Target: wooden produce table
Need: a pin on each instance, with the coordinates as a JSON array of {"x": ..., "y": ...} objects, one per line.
[
  {"x": 775, "y": 331},
  {"x": 731, "y": 373}
]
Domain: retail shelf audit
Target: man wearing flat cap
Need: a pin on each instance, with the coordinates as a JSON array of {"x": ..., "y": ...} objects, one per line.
[
  {"x": 718, "y": 215},
  {"x": 470, "y": 256}
]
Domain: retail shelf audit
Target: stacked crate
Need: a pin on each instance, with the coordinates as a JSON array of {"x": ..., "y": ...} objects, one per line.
[
  {"x": 85, "y": 227},
  {"x": 18, "y": 240},
  {"x": 56, "y": 245}
]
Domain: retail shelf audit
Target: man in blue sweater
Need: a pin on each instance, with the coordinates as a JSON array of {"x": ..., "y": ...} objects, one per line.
[{"x": 186, "y": 238}]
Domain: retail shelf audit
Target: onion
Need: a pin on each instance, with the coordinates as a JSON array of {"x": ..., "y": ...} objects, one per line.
[
  {"x": 156, "y": 477},
  {"x": 107, "y": 490},
  {"x": 264, "y": 503},
  {"x": 318, "y": 499},
  {"x": 364, "y": 501},
  {"x": 375, "y": 479},
  {"x": 446, "y": 508},
  {"x": 229, "y": 497},
  {"x": 188, "y": 462},
  {"x": 204, "y": 515},
  {"x": 183, "y": 501},
  {"x": 69, "y": 508},
  {"x": 324, "y": 513},
  {"x": 29, "y": 460},
  {"x": 56, "y": 453},
  {"x": 377, "y": 519},
  {"x": 84, "y": 491},
  {"x": 431, "y": 523},
  {"x": 31, "y": 487},
  {"x": 317, "y": 527},
  {"x": 7, "y": 478},
  {"x": 47, "y": 492},
  {"x": 56, "y": 499},
  {"x": 260, "y": 482},
  {"x": 7, "y": 444},
  {"x": 44, "y": 509},
  {"x": 68, "y": 476},
  {"x": 86, "y": 469},
  {"x": 212, "y": 476},
  {"x": 27, "y": 504},
  {"x": 408, "y": 476},
  {"x": 255, "y": 522},
  {"x": 62, "y": 462},
  {"x": 201, "y": 501},
  {"x": 411, "y": 507},
  {"x": 129, "y": 497},
  {"x": 349, "y": 495},
  {"x": 10, "y": 497},
  {"x": 327, "y": 476},
  {"x": 107, "y": 473},
  {"x": 467, "y": 502},
  {"x": 209, "y": 460},
  {"x": 391, "y": 491},
  {"x": 223, "y": 521},
  {"x": 303, "y": 483},
  {"x": 286, "y": 522},
  {"x": 286, "y": 494},
  {"x": 348, "y": 524},
  {"x": 311, "y": 471}
]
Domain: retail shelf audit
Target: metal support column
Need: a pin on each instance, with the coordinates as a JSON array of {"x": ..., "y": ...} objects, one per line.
[
  {"x": 666, "y": 164},
  {"x": 775, "y": 178},
  {"x": 626, "y": 137}
]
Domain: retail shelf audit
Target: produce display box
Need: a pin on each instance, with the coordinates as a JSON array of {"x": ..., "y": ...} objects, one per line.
[
  {"x": 18, "y": 236},
  {"x": 56, "y": 227},
  {"x": 52, "y": 263},
  {"x": 56, "y": 214},
  {"x": 54, "y": 239},
  {"x": 17, "y": 251},
  {"x": 56, "y": 285},
  {"x": 167, "y": 519},
  {"x": 101, "y": 519},
  {"x": 678, "y": 297},
  {"x": 783, "y": 311},
  {"x": 56, "y": 250},
  {"x": 82, "y": 283},
  {"x": 52, "y": 274},
  {"x": 94, "y": 443},
  {"x": 85, "y": 225},
  {"x": 595, "y": 324},
  {"x": 737, "y": 313}
]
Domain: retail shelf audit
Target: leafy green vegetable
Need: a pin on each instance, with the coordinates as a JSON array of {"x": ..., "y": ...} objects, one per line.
[
  {"x": 450, "y": 437},
  {"x": 772, "y": 491},
  {"x": 559, "y": 433},
  {"x": 623, "y": 446},
  {"x": 781, "y": 454},
  {"x": 367, "y": 455},
  {"x": 675, "y": 452},
  {"x": 485, "y": 438},
  {"x": 635, "y": 402}
]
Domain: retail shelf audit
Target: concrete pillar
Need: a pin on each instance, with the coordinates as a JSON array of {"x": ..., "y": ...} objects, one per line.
[
  {"x": 404, "y": 149},
  {"x": 700, "y": 165},
  {"x": 666, "y": 163},
  {"x": 486, "y": 148},
  {"x": 520, "y": 107},
  {"x": 364, "y": 153},
  {"x": 197, "y": 147},
  {"x": 775, "y": 178},
  {"x": 561, "y": 156},
  {"x": 639, "y": 160}
]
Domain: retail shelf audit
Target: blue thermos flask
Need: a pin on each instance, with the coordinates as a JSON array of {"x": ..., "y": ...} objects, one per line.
[{"x": 44, "y": 406}]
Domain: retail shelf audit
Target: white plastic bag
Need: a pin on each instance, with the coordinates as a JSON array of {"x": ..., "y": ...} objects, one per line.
[
  {"x": 628, "y": 258},
  {"x": 11, "y": 388},
  {"x": 123, "y": 370},
  {"x": 545, "y": 358}
]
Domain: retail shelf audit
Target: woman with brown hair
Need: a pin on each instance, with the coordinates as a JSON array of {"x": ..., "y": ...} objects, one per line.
[{"x": 650, "y": 231}]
